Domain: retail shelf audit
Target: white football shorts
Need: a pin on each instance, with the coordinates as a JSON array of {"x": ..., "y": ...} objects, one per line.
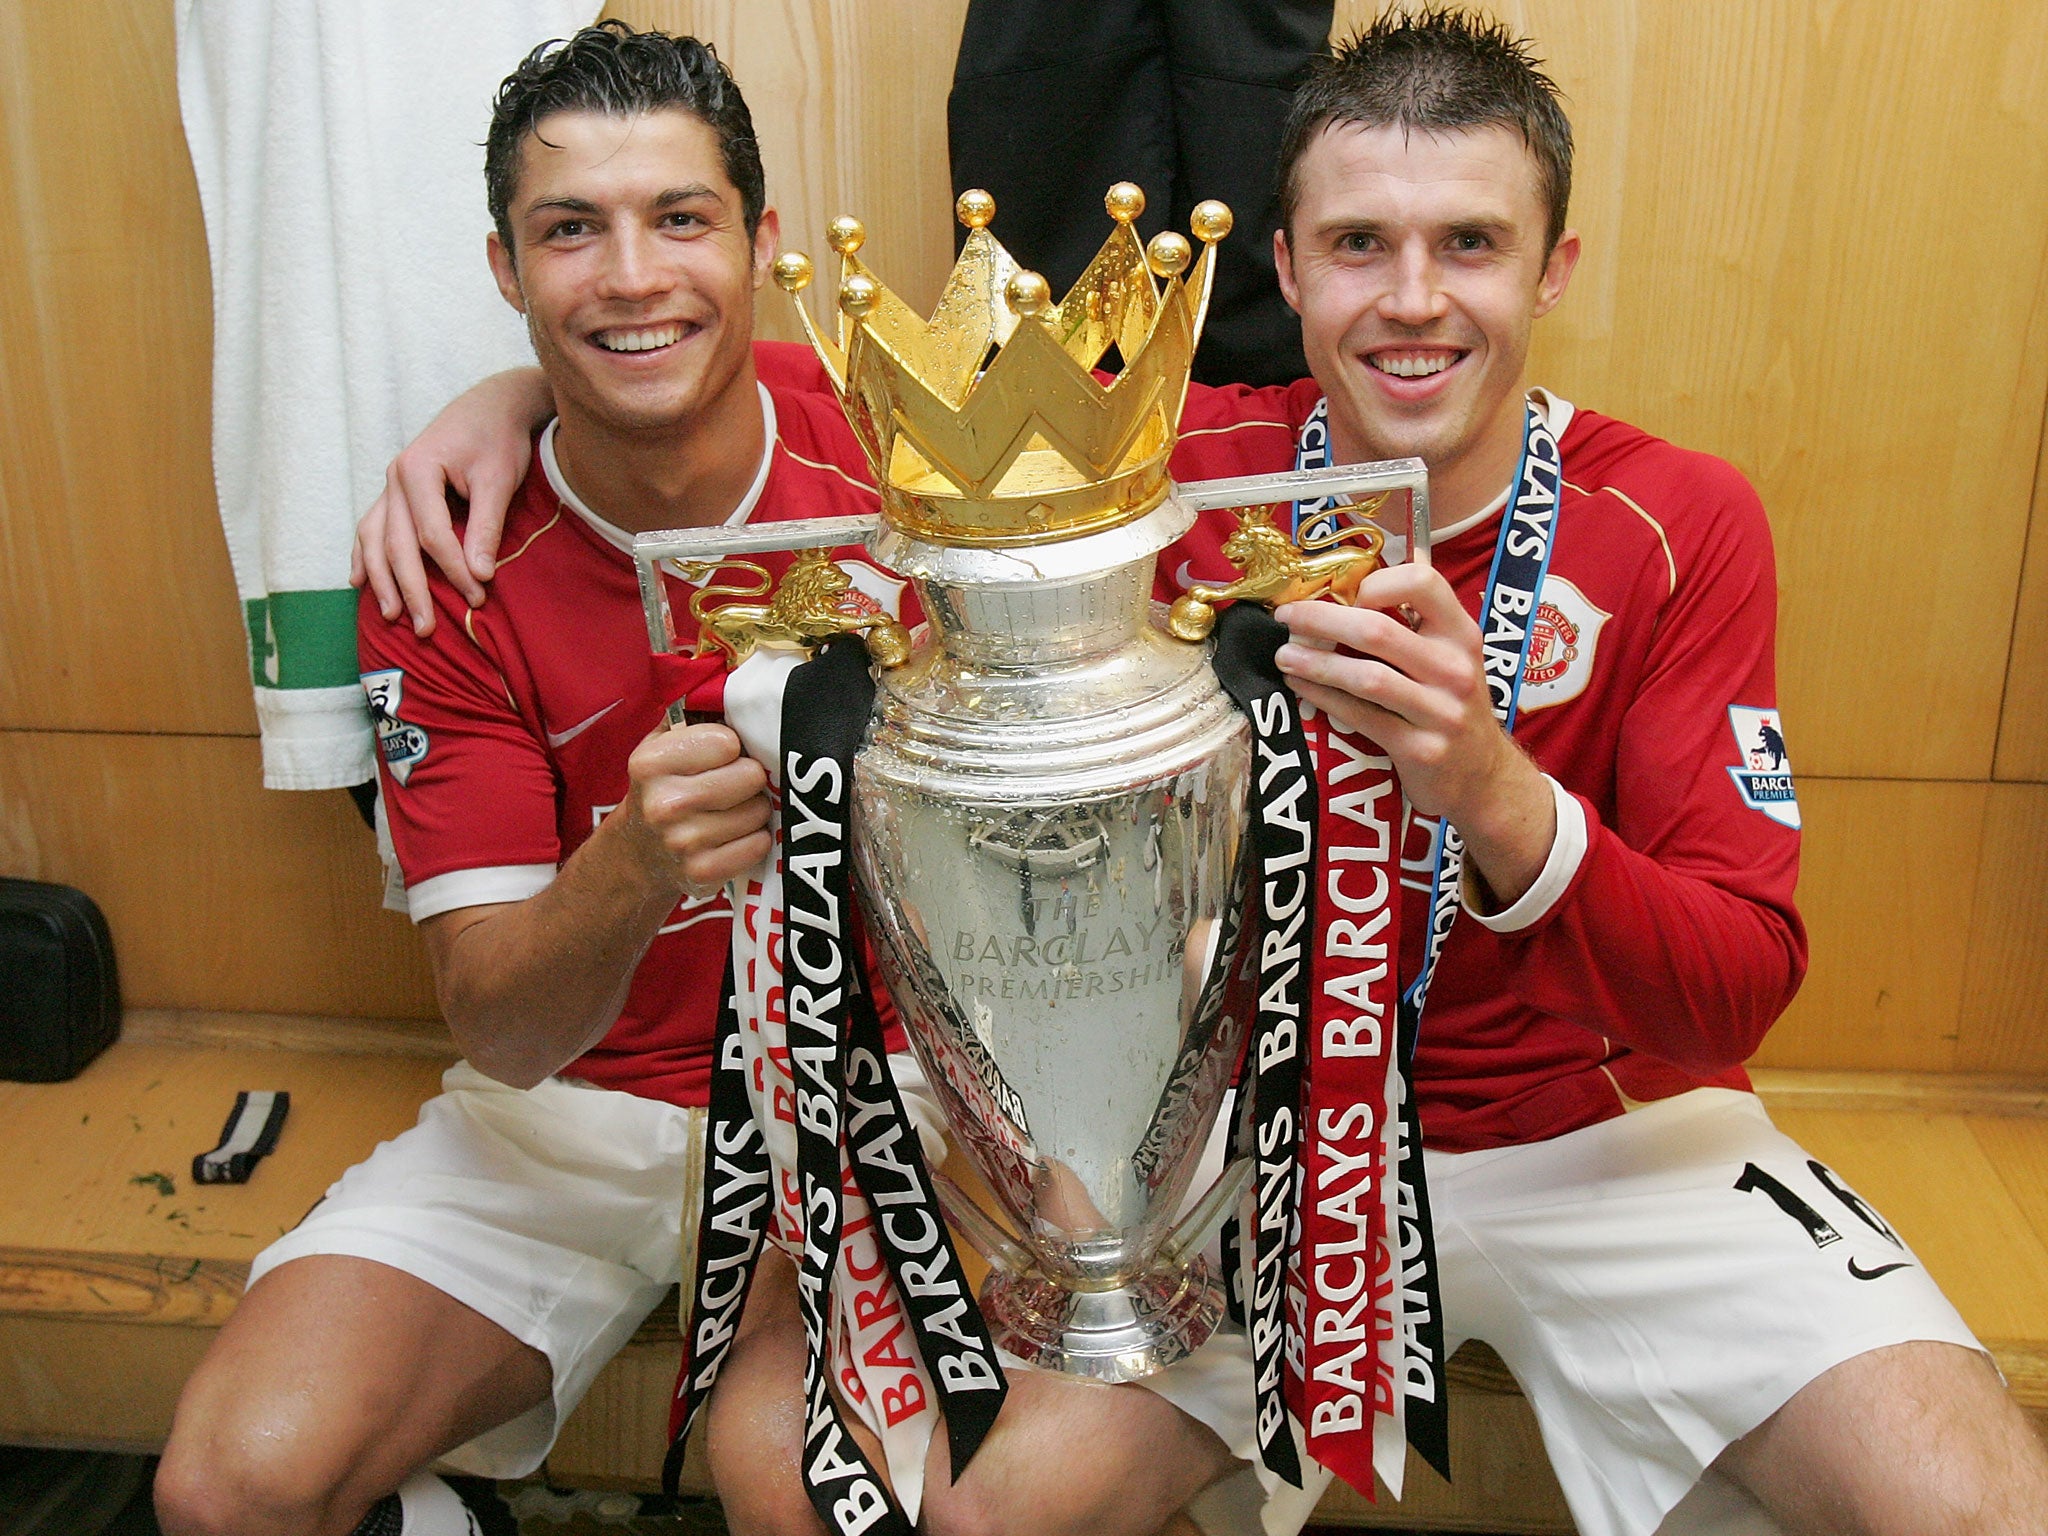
[
  {"x": 554, "y": 1211},
  {"x": 1660, "y": 1284}
]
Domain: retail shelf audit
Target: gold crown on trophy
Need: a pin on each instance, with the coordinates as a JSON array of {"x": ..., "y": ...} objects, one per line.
[{"x": 1026, "y": 445}]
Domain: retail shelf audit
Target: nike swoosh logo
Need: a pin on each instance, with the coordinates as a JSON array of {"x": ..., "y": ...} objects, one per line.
[
  {"x": 1184, "y": 576},
  {"x": 1872, "y": 1274},
  {"x": 563, "y": 738}
]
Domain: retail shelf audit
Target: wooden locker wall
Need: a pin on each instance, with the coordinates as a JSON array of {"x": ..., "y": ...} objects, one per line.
[
  {"x": 1816, "y": 238},
  {"x": 128, "y": 756}
]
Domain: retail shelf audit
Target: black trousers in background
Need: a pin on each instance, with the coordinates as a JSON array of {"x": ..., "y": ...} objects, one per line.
[{"x": 1054, "y": 100}]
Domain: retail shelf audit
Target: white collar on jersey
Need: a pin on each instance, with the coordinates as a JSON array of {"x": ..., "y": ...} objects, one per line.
[
  {"x": 616, "y": 536},
  {"x": 1557, "y": 415}
]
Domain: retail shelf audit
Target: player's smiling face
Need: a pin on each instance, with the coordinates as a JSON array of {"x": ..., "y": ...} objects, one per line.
[
  {"x": 1416, "y": 262},
  {"x": 633, "y": 266}
]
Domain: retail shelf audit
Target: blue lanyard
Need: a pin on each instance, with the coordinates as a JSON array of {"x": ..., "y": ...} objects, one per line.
[
  {"x": 1314, "y": 520},
  {"x": 1507, "y": 624}
]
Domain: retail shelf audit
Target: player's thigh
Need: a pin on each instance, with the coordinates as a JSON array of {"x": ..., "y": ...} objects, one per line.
[
  {"x": 1912, "y": 1437},
  {"x": 1662, "y": 1283},
  {"x": 753, "y": 1423},
  {"x": 1074, "y": 1456},
  {"x": 335, "y": 1379}
]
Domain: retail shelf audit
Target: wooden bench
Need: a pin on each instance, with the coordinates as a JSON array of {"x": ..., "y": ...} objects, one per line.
[{"x": 115, "y": 1269}]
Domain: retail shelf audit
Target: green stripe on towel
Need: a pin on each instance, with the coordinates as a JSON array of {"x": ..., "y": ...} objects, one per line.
[{"x": 302, "y": 639}]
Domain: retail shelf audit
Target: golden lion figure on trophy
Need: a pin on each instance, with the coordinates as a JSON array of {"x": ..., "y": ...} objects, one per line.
[
  {"x": 1277, "y": 570},
  {"x": 809, "y": 607}
]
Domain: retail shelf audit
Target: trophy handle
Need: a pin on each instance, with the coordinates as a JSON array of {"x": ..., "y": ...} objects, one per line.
[
  {"x": 1278, "y": 567},
  {"x": 1192, "y": 1230},
  {"x": 991, "y": 1241}
]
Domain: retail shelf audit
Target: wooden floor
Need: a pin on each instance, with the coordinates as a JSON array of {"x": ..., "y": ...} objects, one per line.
[{"x": 115, "y": 1268}]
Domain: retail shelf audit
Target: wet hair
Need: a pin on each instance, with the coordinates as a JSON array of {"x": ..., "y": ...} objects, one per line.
[
  {"x": 613, "y": 69},
  {"x": 1438, "y": 69}
]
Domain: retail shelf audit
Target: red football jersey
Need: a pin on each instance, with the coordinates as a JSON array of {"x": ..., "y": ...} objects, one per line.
[
  {"x": 504, "y": 736},
  {"x": 1662, "y": 941}
]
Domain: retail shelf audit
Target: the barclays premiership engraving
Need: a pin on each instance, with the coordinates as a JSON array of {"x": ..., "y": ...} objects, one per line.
[{"x": 1083, "y": 964}]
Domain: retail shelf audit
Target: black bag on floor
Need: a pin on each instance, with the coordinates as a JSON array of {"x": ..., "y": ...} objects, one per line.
[{"x": 60, "y": 1002}]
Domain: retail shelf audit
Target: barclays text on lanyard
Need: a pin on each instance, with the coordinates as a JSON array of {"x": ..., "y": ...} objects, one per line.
[{"x": 1507, "y": 611}]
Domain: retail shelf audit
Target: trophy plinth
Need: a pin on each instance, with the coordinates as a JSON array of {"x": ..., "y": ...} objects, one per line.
[{"x": 1117, "y": 1335}]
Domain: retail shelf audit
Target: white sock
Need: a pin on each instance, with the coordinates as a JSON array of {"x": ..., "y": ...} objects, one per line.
[
  {"x": 425, "y": 1506},
  {"x": 432, "y": 1508}
]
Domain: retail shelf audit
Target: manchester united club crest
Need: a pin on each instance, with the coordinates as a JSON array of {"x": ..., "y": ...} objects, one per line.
[
  {"x": 1764, "y": 775},
  {"x": 1553, "y": 647},
  {"x": 874, "y": 591},
  {"x": 1561, "y": 645}
]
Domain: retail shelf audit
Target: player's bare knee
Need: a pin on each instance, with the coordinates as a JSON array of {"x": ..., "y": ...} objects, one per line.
[
  {"x": 189, "y": 1503},
  {"x": 219, "y": 1486},
  {"x": 1072, "y": 1502},
  {"x": 753, "y": 1493},
  {"x": 962, "y": 1511},
  {"x": 758, "y": 1511},
  {"x": 760, "y": 1496},
  {"x": 1045, "y": 1513},
  {"x": 244, "y": 1462},
  {"x": 754, "y": 1456}
]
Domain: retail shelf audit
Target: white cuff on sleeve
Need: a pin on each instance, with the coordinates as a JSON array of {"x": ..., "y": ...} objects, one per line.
[
  {"x": 1567, "y": 850},
  {"x": 476, "y": 888}
]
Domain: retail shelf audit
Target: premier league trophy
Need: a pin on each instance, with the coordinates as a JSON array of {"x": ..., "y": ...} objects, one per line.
[{"x": 1050, "y": 810}]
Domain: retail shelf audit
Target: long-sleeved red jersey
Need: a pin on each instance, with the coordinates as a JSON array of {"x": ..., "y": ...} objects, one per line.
[{"x": 1669, "y": 943}]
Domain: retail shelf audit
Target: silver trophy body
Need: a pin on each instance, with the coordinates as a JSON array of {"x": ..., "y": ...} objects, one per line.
[
  {"x": 1051, "y": 828},
  {"x": 1049, "y": 834},
  {"x": 1050, "y": 841}
]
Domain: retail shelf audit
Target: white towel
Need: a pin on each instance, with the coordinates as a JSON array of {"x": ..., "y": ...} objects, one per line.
[{"x": 338, "y": 149}]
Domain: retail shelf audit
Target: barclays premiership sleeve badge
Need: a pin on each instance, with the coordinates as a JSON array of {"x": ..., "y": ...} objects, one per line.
[
  {"x": 402, "y": 744},
  {"x": 1764, "y": 776}
]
